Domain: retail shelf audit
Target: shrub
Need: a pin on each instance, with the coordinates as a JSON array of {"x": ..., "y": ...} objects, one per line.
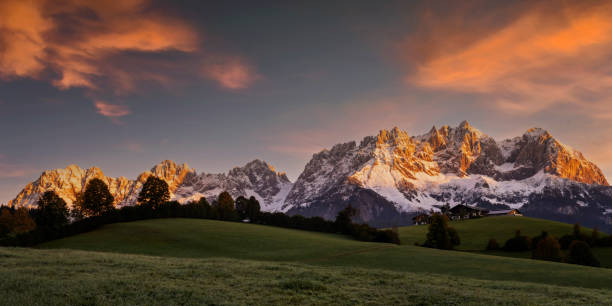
[
  {"x": 518, "y": 243},
  {"x": 580, "y": 254},
  {"x": 492, "y": 245},
  {"x": 548, "y": 248},
  {"x": 566, "y": 240},
  {"x": 577, "y": 234}
]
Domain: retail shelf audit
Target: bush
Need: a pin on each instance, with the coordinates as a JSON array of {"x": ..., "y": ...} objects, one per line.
[
  {"x": 580, "y": 254},
  {"x": 548, "y": 248},
  {"x": 492, "y": 245},
  {"x": 577, "y": 234},
  {"x": 518, "y": 243}
]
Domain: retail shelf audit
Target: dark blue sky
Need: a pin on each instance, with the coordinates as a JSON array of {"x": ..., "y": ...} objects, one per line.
[{"x": 124, "y": 85}]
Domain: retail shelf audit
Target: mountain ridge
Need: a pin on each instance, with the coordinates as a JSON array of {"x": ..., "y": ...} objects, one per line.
[{"x": 392, "y": 176}]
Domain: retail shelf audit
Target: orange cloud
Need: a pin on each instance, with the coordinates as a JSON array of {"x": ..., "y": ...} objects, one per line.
[
  {"x": 91, "y": 44},
  {"x": 76, "y": 38},
  {"x": 540, "y": 58},
  {"x": 111, "y": 110},
  {"x": 230, "y": 73}
]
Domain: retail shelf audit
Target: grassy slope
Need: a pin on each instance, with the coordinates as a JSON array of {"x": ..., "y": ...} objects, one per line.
[
  {"x": 48, "y": 277},
  {"x": 208, "y": 238},
  {"x": 205, "y": 238},
  {"x": 475, "y": 233}
]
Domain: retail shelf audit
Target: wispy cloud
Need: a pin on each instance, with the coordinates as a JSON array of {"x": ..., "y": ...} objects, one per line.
[
  {"x": 13, "y": 170},
  {"x": 75, "y": 39},
  {"x": 99, "y": 46},
  {"x": 230, "y": 72},
  {"x": 537, "y": 59},
  {"x": 111, "y": 110}
]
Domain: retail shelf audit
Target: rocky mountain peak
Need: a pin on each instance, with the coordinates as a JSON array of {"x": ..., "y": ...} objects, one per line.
[{"x": 537, "y": 133}]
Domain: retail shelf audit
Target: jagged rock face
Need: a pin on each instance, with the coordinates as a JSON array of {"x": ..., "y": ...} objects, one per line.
[
  {"x": 389, "y": 178},
  {"x": 68, "y": 183},
  {"x": 447, "y": 165},
  {"x": 257, "y": 179}
]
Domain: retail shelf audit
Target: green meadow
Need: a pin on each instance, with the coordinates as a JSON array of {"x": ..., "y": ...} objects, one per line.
[
  {"x": 475, "y": 233},
  {"x": 196, "y": 261}
]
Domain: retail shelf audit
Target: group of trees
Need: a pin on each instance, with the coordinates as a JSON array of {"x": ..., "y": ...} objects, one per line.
[
  {"x": 95, "y": 207},
  {"x": 546, "y": 247},
  {"x": 15, "y": 222}
]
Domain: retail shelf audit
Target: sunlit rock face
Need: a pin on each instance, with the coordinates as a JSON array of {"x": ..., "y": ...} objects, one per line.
[
  {"x": 398, "y": 175},
  {"x": 388, "y": 178},
  {"x": 257, "y": 178}
]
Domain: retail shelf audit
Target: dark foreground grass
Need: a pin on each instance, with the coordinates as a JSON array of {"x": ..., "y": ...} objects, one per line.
[
  {"x": 196, "y": 238},
  {"x": 51, "y": 277}
]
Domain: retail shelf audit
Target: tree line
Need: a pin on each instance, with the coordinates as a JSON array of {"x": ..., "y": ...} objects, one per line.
[
  {"x": 94, "y": 207},
  {"x": 577, "y": 246}
]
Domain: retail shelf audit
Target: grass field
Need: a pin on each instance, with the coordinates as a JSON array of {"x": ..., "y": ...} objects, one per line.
[
  {"x": 52, "y": 277},
  {"x": 204, "y": 261},
  {"x": 475, "y": 233}
]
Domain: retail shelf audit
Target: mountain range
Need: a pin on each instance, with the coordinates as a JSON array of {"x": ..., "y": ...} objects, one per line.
[{"x": 389, "y": 178}]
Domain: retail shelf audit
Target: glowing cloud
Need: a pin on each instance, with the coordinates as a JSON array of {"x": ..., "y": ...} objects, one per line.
[
  {"x": 540, "y": 58},
  {"x": 91, "y": 44},
  {"x": 230, "y": 73},
  {"x": 111, "y": 110},
  {"x": 76, "y": 39}
]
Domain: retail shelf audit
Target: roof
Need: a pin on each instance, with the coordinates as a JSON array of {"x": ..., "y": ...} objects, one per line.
[
  {"x": 466, "y": 206},
  {"x": 502, "y": 212}
]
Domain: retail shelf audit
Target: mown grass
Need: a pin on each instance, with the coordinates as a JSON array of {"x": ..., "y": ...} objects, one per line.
[
  {"x": 197, "y": 238},
  {"x": 475, "y": 233},
  {"x": 52, "y": 277}
]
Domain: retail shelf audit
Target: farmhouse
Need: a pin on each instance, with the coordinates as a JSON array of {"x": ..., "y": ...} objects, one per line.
[{"x": 461, "y": 211}]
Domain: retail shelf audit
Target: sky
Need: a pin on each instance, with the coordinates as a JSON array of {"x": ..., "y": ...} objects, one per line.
[{"x": 123, "y": 85}]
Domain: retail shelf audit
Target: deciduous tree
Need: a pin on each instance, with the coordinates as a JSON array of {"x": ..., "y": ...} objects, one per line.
[
  {"x": 52, "y": 213},
  {"x": 96, "y": 199},
  {"x": 225, "y": 206},
  {"x": 154, "y": 192}
]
